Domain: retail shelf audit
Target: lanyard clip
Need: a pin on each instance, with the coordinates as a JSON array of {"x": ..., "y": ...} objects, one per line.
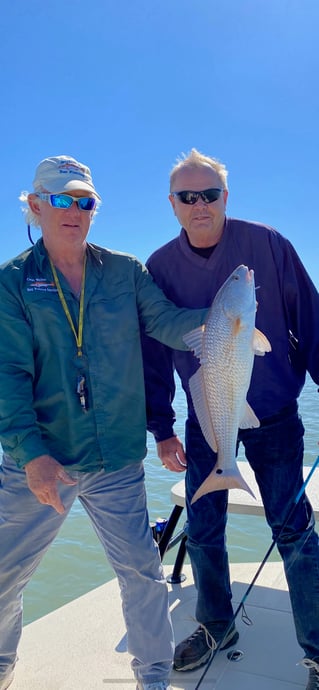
[{"x": 82, "y": 392}]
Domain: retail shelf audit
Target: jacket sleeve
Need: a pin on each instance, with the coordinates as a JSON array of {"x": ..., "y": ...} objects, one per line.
[
  {"x": 159, "y": 388},
  {"x": 19, "y": 434},
  {"x": 301, "y": 301},
  {"x": 159, "y": 368},
  {"x": 159, "y": 317}
]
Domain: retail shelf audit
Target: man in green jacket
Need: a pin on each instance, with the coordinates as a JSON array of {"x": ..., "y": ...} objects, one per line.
[{"x": 72, "y": 410}]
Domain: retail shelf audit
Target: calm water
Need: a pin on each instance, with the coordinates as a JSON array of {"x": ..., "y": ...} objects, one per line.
[{"x": 75, "y": 563}]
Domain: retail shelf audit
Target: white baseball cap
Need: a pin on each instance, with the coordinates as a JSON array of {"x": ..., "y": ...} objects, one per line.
[{"x": 63, "y": 174}]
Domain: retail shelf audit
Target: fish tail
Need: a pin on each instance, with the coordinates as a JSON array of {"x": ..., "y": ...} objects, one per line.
[{"x": 219, "y": 480}]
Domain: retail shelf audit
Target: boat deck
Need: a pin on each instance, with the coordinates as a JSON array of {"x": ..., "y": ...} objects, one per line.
[{"x": 82, "y": 645}]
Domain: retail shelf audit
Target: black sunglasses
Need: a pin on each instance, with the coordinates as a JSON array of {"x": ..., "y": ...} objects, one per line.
[{"x": 207, "y": 195}]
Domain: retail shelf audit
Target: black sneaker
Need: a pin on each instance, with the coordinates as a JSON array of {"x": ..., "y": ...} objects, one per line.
[
  {"x": 196, "y": 649},
  {"x": 313, "y": 680}
]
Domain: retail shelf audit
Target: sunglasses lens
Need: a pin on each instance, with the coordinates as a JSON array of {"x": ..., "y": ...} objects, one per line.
[
  {"x": 188, "y": 197},
  {"x": 86, "y": 203},
  {"x": 210, "y": 195},
  {"x": 61, "y": 201}
]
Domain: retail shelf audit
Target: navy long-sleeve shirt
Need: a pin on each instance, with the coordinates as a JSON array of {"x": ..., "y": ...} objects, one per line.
[{"x": 287, "y": 313}]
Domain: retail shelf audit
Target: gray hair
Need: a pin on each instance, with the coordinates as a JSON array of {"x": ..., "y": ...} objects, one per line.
[{"x": 195, "y": 159}]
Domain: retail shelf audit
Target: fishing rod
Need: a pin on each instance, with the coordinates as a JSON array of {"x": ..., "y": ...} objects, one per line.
[{"x": 250, "y": 586}]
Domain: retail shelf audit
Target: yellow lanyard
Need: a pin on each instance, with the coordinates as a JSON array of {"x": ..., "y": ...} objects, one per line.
[{"x": 78, "y": 335}]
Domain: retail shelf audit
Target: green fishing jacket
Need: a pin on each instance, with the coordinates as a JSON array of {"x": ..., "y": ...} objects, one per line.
[{"x": 40, "y": 410}]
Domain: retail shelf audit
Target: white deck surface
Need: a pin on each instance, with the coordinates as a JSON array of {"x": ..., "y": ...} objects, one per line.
[{"x": 81, "y": 646}]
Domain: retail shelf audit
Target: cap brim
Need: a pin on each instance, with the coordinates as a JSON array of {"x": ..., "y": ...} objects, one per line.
[{"x": 72, "y": 186}]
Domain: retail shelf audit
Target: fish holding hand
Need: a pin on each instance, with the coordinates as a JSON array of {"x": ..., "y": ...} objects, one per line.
[{"x": 225, "y": 346}]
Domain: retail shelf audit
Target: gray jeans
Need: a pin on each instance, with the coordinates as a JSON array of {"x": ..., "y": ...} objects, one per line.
[{"x": 116, "y": 505}]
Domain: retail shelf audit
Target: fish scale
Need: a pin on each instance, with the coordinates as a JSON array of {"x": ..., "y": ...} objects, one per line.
[{"x": 225, "y": 347}]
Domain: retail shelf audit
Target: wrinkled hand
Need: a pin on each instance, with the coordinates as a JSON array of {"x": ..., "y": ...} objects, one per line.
[
  {"x": 43, "y": 474},
  {"x": 171, "y": 453}
]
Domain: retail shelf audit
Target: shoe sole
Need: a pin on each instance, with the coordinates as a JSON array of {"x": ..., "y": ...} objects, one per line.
[
  {"x": 204, "y": 659},
  {"x": 7, "y": 683}
]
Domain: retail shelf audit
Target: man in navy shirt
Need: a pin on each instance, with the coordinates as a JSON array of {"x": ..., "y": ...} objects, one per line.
[{"x": 190, "y": 269}]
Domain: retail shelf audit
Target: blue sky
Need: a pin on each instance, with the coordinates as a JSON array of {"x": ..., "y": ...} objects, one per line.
[{"x": 127, "y": 86}]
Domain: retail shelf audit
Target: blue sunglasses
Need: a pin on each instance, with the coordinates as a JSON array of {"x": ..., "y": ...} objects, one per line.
[{"x": 84, "y": 203}]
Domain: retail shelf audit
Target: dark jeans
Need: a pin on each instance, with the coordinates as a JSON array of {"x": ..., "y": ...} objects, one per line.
[{"x": 275, "y": 452}]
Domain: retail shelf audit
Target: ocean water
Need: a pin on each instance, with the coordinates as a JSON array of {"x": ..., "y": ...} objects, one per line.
[{"x": 75, "y": 563}]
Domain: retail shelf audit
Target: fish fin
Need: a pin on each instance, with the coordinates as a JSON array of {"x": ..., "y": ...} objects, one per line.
[
  {"x": 194, "y": 340},
  {"x": 261, "y": 344},
  {"x": 219, "y": 480},
  {"x": 198, "y": 393},
  {"x": 248, "y": 419}
]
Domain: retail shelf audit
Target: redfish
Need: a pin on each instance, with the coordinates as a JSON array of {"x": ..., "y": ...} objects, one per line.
[{"x": 226, "y": 345}]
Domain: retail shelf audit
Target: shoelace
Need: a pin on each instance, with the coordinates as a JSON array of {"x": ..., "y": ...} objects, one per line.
[
  {"x": 313, "y": 667},
  {"x": 310, "y": 663},
  {"x": 210, "y": 640}
]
